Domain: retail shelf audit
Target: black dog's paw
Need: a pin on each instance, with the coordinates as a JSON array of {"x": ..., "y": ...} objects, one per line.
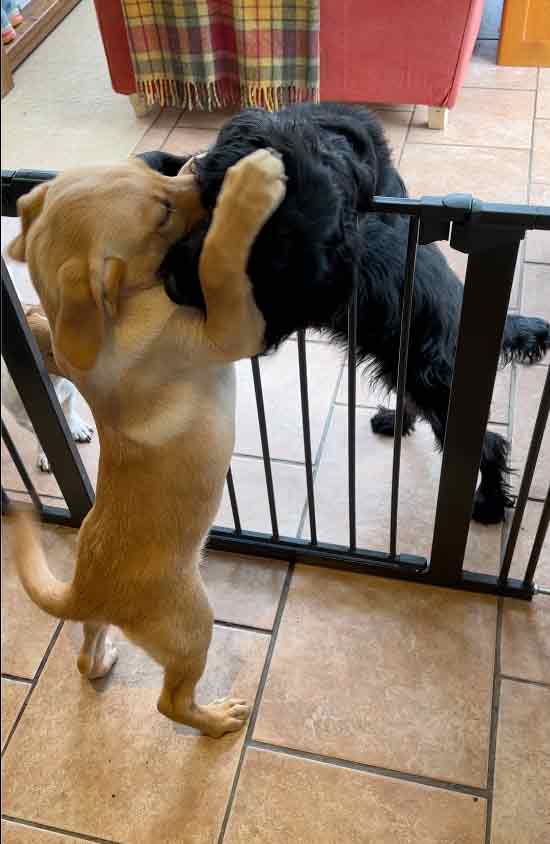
[
  {"x": 383, "y": 423},
  {"x": 529, "y": 339},
  {"x": 490, "y": 508}
]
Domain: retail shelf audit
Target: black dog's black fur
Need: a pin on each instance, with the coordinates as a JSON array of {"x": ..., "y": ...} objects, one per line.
[{"x": 304, "y": 260}]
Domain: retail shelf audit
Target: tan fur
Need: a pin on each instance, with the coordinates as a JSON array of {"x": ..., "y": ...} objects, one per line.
[{"x": 160, "y": 382}]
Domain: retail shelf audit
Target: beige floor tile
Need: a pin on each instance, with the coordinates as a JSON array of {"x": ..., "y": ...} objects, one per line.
[
  {"x": 525, "y": 651},
  {"x": 536, "y": 290},
  {"x": 538, "y": 242},
  {"x": 524, "y": 545},
  {"x": 543, "y": 103},
  {"x": 108, "y": 747},
  {"x": 541, "y": 152},
  {"x": 54, "y": 119},
  {"x": 157, "y": 134},
  {"x": 249, "y": 479},
  {"x": 13, "y": 697},
  {"x": 483, "y": 71},
  {"x": 282, "y": 798},
  {"x": 198, "y": 119},
  {"x": 521, "y": 809},
  {"x": 384, "y": 673},
  {"x": 243, "y": 590},
  {"x": 490, "y": 174},
  {"x": 420, "y": 469},
  {"x": 529, "y": 386},
  {"x": 481, "y": 117},
  {"x": 188, "y": 141},
  {"x": 544, "y": 77},
  {"x": 396, "y": 125},
  {"x": 281, "y": 391},
  {"x": 27, "y": 445},
  {"x": 26, "y": 630},
  {"x": 14, "y": 833}
]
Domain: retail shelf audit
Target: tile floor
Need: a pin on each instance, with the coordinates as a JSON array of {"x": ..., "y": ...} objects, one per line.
[{"x": 383, "y": 712}]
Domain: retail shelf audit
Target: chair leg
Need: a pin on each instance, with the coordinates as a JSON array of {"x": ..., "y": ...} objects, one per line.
[
  {"x": 437, "y": 117},
  {"x": 140, "y": 105}
]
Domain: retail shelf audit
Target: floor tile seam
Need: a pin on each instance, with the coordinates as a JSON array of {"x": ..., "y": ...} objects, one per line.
[
  {"x": 33, "y": 684},
  {"x": 56, "y": 829},
  {"x": 257, "y": 700},
  {"x": 362, "y": 767},
  {"x": 541, "y": 684},
  {"x": 15, "y": 678}
]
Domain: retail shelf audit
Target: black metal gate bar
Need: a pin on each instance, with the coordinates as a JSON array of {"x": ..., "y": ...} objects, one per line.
[
  {"x": 20, "y": 466},
  {"x": 306, "y": 430},
  {"x": 538, "y": 540},
  {"x": 265, "y": 446},
  {"x": 352, "y": 385},
  {"x": 36, "y": 391},
  {"x": 527, "y": 479},
  {"x": 407, "y": 297},
  {"x": 233, "y": 501},
  {"x": 489, "y": 278}
]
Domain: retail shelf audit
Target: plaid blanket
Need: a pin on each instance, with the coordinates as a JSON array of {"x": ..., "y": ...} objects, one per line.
[{"x": 212, "y": 53}]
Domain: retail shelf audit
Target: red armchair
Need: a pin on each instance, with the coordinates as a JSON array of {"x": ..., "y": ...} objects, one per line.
[{"x": 371, "y": 51}]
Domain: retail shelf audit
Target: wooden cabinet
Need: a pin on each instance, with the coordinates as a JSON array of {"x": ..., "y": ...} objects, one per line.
[{"x": 525, "y": 33}]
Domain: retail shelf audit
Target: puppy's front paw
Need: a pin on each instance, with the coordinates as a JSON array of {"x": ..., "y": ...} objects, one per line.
[
  {"x": 255, "y": 186},
  {"x": 81, "y": 431},
  {"x": 42, "y": 462}
]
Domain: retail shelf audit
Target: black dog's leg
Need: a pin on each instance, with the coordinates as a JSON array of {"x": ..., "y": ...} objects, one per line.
[
  {"x": 493, "y": 494},
  {"x": 525, "y": 339},
  {"x": 383, "y": 422}
]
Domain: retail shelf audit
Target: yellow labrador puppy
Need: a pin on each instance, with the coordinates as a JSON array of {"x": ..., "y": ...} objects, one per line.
[{"x": 160, "y": 382}]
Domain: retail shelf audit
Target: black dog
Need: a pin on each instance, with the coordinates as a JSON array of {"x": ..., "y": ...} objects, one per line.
[{"x": 303, "y": 263}]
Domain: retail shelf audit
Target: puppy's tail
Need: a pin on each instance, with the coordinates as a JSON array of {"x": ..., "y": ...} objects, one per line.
[
  {"x": 526, "y": 339},
  {"x": 51, "y": 595}
]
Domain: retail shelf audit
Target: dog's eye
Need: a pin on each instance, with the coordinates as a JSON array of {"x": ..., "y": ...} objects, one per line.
[{"x": 167, "y": 213}]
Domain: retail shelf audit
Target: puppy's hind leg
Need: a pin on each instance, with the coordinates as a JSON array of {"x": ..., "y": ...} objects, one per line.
[
  {"x": 177, "y": 701},
  {"x": 98, "y": 654}
]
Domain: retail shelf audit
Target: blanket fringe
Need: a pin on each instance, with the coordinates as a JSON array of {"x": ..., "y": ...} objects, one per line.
[{"x": 208, "y": 96}]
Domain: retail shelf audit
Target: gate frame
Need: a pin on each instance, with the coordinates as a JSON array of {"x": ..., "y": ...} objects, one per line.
[{"x": 490, "y": 233}]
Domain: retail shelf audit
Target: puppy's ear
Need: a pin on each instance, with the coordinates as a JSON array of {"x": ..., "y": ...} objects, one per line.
[
  {"x": 78, "y": 330},
  {"x": 29, "y": 207}
]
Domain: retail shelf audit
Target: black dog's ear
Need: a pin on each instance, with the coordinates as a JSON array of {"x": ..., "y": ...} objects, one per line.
[{"x": 164, "y": 162}]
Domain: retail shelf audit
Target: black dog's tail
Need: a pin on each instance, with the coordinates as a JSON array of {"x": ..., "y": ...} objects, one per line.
[{"x": 526, "y": 339}]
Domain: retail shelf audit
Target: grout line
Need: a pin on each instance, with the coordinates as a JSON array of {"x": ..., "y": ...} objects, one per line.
[
  {"x": 56, "y": 829},
  {"x": 494, "y": 723},
  {"x": 14, "y": 678},
  {"x": 265, "y": 631},
  {"x": 285, "y": 461},
  {"x": 33, "y": 685},
  {"x": 258, "y": 699},
  {"x": 472, "y": 791},
  {"x": 540, "y": 683},
  {"x": 494, "y": 147}
]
